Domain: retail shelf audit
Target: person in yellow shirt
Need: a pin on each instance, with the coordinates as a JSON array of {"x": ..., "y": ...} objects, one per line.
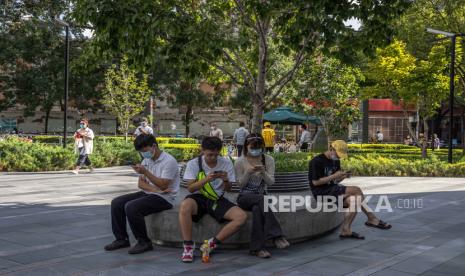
[{"x": 269, "y": 137}]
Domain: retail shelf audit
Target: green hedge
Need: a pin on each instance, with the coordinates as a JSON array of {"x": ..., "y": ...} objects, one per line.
[
  {"x": 377, "y": 165},
  {"x": 18, "y": 155}
]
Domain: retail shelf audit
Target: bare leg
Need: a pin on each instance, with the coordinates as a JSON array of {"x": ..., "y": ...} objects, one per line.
[
  {"x": 357, "y": 192},
  {"x": 186, "y": 210},
  {"x": 237, "y": 218},
  {"x": 349, "y": 202}
]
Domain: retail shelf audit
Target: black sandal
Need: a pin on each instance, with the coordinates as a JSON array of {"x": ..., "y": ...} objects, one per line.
[
  {"x": 381, "y": 225},
  {"x": 353, "y": 235}
]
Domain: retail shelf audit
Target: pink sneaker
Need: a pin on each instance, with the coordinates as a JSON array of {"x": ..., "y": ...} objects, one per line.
[{"x": 188, "y": 254}]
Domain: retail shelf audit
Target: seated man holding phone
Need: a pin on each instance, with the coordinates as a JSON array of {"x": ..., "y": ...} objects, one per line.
[
  {"x": 208, "y": 177},
  {"x": 158, "y": 183},
  {"x": 325, "y": 176}
]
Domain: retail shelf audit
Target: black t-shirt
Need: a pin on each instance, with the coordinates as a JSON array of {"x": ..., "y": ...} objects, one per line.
[{"x": 320, "y": 166}]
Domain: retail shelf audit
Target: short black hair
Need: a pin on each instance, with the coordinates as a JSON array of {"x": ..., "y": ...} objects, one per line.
[
  {"x": 144, "y": 140},
  {"x": 241, "y": 124},
  {"x": 303, "y": 126},
  {"x": 212, "y": 143}
]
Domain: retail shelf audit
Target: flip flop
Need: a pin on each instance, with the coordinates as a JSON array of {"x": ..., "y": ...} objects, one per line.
[
  {"x": 381, "y": 225},
  {"x": 354, "y": 235}
]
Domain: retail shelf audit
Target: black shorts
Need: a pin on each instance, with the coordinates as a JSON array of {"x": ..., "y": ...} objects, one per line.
[
  {"x": 330, "y": 190},
  {"x": 207, "y": 206}
]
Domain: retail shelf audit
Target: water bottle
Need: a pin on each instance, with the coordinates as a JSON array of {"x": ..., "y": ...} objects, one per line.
[{"x": 205, "y": 252}]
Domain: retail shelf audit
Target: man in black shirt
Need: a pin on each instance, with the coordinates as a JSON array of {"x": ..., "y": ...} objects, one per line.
[{"x": 325, "y": 175}]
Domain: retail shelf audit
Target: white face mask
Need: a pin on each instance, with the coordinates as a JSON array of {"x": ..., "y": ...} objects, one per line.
[
  {"x": 255, "y": 152},
  {"x": 212, "y": 128},
  {"x": 334, "y": 156}
]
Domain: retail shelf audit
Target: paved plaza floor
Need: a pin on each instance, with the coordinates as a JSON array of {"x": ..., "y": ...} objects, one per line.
[{"x": 58, "y": 223}]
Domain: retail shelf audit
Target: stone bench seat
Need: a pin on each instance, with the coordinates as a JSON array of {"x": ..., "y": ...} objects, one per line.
[{"x": 163, "y": 228}]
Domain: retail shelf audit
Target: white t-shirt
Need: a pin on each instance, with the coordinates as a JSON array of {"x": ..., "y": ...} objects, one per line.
[
  {"x": 222, "y": 164},
  {"x": 147, "y": 129},
  {"x": 165, "y": 167}
]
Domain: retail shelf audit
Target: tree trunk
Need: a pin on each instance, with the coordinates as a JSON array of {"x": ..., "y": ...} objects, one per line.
[
  {"x": 424, "y": 145},
  {"x": 187, "y": 120},
  {"x": 47, "y": 116},
  {"x": 327, "y": 131},
  {"x": 463, "y": 131},
  {"x": 409, "y": 126},
  {"x": 259, "y": 93}
]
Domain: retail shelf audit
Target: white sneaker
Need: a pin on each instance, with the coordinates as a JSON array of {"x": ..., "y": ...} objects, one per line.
[
  {"x": 188, "y": 253},
  {"x": 281, "y": 243},
  {"x": 75, "y": 172},
  {"x": 212, "y": 245}
]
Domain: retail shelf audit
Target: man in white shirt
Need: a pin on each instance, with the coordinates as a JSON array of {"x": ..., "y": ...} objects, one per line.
[
  {"x": 144, "y": 128},
  {"x": 239, "y": 138},
  {"x": 305, "y": 138},
  {"x": 216, "y": 132},
  {"x": 158, "y": 183},
  {"x": 83, "y": 145},
  {"x": 208, "y": 177},
  {"x": 379, "y": 136}
]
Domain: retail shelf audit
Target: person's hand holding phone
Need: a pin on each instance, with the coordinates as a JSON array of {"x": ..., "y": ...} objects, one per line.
[
  {"x": 259, "y": 168},
  {"x": 138, "y": 168}
]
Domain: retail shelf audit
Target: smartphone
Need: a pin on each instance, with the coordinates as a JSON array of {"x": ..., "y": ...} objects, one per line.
[
  {"x": 129, "y": 163},
  {"x": 217, "y": 172}
]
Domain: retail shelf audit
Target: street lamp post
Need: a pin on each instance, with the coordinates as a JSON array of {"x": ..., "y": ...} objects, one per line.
[
  {"x": 66, "y": 84},
  {"x": 453, "y": 38}
]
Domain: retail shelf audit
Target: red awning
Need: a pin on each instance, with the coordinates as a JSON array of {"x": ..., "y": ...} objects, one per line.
[{"x": 386, "y": 105}]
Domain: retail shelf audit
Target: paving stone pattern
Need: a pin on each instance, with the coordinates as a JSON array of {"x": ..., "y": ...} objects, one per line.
[{"x": 58, "y": 223}]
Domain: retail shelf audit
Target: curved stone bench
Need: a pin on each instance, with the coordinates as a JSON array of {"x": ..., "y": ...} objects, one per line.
[{"x": 163, "y": 228}]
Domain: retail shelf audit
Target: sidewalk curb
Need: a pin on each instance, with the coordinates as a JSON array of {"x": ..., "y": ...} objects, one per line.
[{"x": 99, "y": 170}]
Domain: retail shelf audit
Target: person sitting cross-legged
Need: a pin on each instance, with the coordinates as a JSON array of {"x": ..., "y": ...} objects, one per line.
[
  {"x": 158, "y": 182},
  {"x": 255, "y": 172},
  {"x": 208, "y": 177},
  {"x": 325, "y": 176}
]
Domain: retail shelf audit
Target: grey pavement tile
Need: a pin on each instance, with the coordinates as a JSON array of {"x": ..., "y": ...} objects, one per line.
[
  {"x": 85, "y": 231},
  {"x": 432, "y": 258},
  {"x": 387, "y": 246},
  {"x": 29, "y": 239},
  {"x": 132, "y": 269},
  {"x": 435, "y": 273},
  {"x": 360, "y": 256},
  {"x": 389, "y": 272},
  {"x": 328, "y": 266},
  {"x": 40, "y": 255},
  {"x": 50, "y": 269},
  {"x": 4, "y": 263},
  {"x": 454, "y": 266},
  {"x": 6, "y": 246}
]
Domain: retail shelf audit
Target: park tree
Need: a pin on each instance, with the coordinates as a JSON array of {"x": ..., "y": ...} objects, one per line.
[
  {"x": 125, "y": 94},
  {"x": 397, "y": 74},
  {"x": 447, "y": 15},
  {"x": 32, "y": 59},
  {"x": 234, "y": 36},
  {"x": 332, "y": 92}
]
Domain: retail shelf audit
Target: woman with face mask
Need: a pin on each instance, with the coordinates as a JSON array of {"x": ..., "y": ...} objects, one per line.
[
  {"x": 83, "y": 142},
  {"x": 254, "y": 173}
]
